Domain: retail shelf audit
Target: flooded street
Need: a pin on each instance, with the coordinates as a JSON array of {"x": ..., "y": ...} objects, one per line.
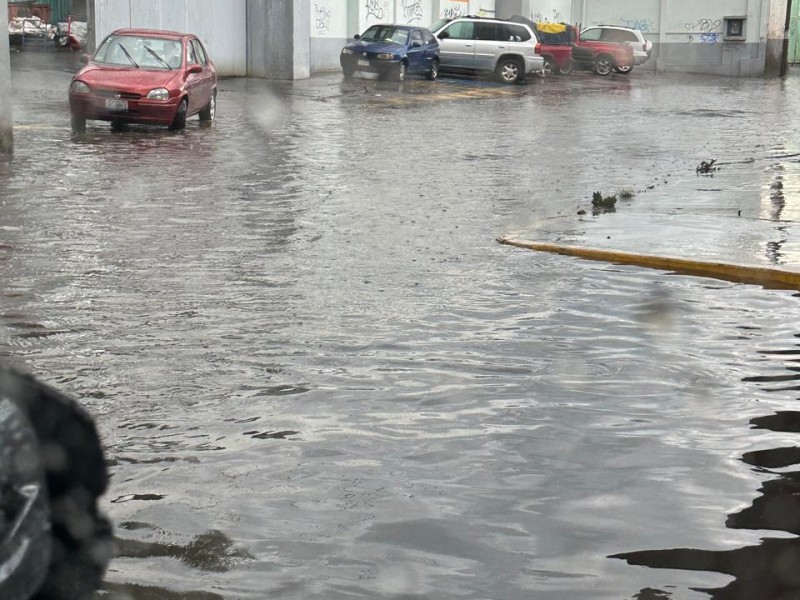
[{"x": 318, "y": 376}]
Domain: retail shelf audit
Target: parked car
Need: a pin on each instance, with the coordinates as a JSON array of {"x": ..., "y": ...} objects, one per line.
[
  {"x": 642, "y": 48},
  {"x": 555, "y": 44},
  {"x": 602, "y": 56},
  {"x": 145, "y": 76},
  {"x": 475, "y": 45},
  {"x": 392, "y": 51}
]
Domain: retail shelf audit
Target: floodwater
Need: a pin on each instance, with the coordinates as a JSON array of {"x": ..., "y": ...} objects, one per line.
[{"x": 317, "y": 374}]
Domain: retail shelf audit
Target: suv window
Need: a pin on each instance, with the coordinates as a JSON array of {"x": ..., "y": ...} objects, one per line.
[
  {"x": 486, "y": 32},
  {"x": 514, "y": 33},
  {"x": 592, "y": 35},
  {"x": 619, "y": 36},
  {"x": 462, "y": 30}
]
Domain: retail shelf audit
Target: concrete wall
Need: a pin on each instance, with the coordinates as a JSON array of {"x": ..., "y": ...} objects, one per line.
[
  {"x": 6, "y": 137},
  {"x": 279, "y": 34},
  {"x": 541, "y": 11},
  {"x": 775, "y": 49},
  {"x": 334, "y": 22},
  {"x": 221, "y": 25}
]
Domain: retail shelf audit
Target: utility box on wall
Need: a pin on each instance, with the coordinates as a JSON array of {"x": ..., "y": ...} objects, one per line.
[{"x": 734, "y": 30}]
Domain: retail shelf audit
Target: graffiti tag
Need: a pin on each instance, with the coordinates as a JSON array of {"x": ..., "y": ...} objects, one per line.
[
  {"x": 412, "y": 10},
  {"x": 374, "y": 9},
  {"x": 709, "y": 38},
  {"x": 452, "y": 12},
  {"x": 704, "y": 25},
  {"x": 539, "y": 17},
  {"x": 643, "y": 25},
  {"x": 322, "y": 18}
]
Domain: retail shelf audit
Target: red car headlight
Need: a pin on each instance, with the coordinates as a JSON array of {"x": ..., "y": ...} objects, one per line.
[
  {"x": 158, "y": 94},
  {"x": 78, "y": 87}
]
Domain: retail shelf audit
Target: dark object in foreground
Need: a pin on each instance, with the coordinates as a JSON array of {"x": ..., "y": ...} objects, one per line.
[{"x": 54, "y": 543}]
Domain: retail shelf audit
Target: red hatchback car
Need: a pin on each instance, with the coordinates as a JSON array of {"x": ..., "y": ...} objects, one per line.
[{"x": 145, "y": 76}]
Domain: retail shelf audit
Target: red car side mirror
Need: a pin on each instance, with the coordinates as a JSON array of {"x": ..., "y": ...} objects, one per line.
[{"x": 194, "y": 69}]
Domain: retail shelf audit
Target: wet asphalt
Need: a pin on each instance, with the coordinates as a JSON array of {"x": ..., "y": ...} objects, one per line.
[{"x": 318, "y": 375}]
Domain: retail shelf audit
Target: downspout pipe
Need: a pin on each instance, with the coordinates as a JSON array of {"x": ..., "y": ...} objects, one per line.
[{"x": 6, "y": 123}]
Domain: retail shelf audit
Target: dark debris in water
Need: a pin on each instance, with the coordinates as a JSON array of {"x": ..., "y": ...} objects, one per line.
[
  {"x": 706, "y": 167},
  {"x": 601, "y": 204}
]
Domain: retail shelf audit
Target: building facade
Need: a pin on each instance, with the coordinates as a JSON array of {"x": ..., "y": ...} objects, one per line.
[{"x": 291, "y": 39}]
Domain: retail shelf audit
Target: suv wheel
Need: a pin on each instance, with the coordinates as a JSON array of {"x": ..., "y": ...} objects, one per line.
[
  {"x": 508, "y": 70},
  {"x": 603, "y": 65},
  {"x": 549, "y": 67},
  {"x": 624, "y": 70},
  {"x": 566, "y": 69}
]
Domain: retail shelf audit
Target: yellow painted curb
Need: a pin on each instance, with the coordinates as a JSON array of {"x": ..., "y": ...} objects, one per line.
[{"x": 764, "y": 276}]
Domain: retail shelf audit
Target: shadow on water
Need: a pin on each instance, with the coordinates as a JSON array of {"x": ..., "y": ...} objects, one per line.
[
  {"x": 211, "y": 551},
  {"x": 770, "y": 570}
]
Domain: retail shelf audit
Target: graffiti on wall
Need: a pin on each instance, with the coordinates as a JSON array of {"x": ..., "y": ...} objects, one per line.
[
  {"x": 704, "y": 25},
  {"x": 326, "y": 20},
  {"x": 412, "y": 11},
  {"x": 540, "y": 17},
  {"x": 643, "y": 25},
  {"x": 322, "y": 19},
  {"x": 376, "y": 10},
  {"x": 450, "y": 9}
]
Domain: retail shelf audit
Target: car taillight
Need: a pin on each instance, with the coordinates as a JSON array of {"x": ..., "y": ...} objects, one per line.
[{"x": 538, "y": 49}]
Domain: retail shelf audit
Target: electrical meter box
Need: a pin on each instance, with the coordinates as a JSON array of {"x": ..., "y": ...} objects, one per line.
[{"x": 734, "y": 30}]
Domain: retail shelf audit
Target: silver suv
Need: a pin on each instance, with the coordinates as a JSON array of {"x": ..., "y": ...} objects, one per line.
[
  {"x": 477, "y": 45},
  {"x": 634, "y": 38}
]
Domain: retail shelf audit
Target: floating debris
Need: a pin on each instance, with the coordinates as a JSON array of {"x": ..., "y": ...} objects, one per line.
[
  {"x": 603, "y": 204},
  {"x": 707, "y": 166},
  {"x": 600, "y": 201}
]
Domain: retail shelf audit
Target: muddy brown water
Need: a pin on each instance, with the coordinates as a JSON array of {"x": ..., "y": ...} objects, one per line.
[{"x": 317, "y": 375}]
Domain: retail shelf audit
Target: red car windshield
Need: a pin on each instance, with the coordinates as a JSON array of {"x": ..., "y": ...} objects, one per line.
[{"x": 140, "y": 52}]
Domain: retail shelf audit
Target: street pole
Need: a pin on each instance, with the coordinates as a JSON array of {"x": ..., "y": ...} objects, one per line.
[
  {"x": 6, "y": 129},
  {"x": 786, "y": 28}
]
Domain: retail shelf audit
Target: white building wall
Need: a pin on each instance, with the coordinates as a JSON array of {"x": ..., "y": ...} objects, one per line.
[
  {"x": 689, "y": 35},
  {"x": 551, "y": 11},
  {"x": 221, "y": 25}
]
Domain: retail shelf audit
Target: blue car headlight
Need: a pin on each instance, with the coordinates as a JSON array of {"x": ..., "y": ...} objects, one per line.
[{"x": 385, "y": 56}]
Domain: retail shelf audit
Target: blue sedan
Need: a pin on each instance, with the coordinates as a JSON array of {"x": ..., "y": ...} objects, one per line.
[{"x": 392, "y": 51}]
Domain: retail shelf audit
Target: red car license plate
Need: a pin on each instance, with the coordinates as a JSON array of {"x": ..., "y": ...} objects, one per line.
[{"x": 115, "y": 104}]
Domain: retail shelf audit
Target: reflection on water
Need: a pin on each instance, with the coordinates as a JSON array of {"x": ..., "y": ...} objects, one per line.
[{"x": 771, "y": 569}]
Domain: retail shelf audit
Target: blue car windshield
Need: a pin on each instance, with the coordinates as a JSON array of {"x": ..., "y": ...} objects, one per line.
[{"x": 386, "y": 33}]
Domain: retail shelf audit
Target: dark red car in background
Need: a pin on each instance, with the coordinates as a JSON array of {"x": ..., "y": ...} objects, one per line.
[
  {"x": 562, "y": 46},
  {"x": 145, "y": 76}
]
